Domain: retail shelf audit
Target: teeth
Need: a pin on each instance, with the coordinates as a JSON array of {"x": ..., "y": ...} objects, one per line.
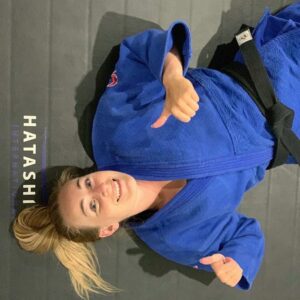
[{"x": 117, "y": 189}]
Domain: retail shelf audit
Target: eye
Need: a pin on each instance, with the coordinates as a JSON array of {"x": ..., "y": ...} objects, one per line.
[
  {"x": 93, "y": 205},
  {"x": 88, "y": 183}
]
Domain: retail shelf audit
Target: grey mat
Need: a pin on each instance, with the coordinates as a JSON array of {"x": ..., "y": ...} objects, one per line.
[{"x": 50, "y": 56}]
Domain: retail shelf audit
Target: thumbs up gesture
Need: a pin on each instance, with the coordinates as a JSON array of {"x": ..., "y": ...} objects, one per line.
[
  {"x": 181, "y": 101},
  {"x": 226, "y": 268}
]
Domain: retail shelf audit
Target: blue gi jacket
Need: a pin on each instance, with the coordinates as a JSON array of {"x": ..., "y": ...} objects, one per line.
[{"x": 222, "y": 152}]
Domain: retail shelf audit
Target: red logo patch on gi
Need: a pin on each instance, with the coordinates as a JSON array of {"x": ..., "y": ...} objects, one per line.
[{"x": 113, "y": 79}]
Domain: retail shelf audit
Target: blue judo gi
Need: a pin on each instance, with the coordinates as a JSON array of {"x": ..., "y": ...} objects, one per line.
[{"x": 222, "y": 152}]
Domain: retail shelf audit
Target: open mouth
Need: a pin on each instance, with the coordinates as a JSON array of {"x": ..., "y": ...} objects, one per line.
[{"x": 117, "y": 189}]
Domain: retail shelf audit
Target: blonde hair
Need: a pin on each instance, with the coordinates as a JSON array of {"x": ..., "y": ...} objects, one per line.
[{"x": 41, "y": 228}]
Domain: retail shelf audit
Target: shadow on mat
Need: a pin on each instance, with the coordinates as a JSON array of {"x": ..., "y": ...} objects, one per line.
[
  {"x": 156, "y": 265},
  {"x": 104, "y": 57}
]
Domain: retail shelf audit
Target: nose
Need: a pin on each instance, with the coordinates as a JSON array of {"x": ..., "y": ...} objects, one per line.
[{"x": 104, "y": 189}]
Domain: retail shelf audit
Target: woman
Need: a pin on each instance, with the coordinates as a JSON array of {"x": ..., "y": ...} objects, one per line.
[{"x": 170, "y": 171}]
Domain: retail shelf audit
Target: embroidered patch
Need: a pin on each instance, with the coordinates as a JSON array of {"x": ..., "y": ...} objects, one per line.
[{"x": 113, "y": 79}]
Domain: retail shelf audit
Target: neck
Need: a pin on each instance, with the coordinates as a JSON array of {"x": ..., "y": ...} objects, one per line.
[
  {"x": 151, "y": 190},
  {"x": 168, "y": 192}
]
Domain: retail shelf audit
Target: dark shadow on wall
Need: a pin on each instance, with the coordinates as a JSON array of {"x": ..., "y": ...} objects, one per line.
[
  {"x": 112, "y": 30},
  {"x": 229, "y": 25}
]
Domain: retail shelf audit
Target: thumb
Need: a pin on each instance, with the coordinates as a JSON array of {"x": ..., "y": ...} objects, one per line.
[
  {"x": 228, "y": 259},
  {"x": 208, "y": 260},
  {"x": 162, "y": 119}
]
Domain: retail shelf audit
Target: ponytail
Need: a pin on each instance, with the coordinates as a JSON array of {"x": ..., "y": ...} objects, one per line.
[
  {"x": 40, "y": 229},
  {"x": 34, "y": 231}
]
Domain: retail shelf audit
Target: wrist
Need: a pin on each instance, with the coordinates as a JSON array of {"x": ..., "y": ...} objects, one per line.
[
  {"x": 170, "y": 77},
  {"x": 172, "y": 67}
]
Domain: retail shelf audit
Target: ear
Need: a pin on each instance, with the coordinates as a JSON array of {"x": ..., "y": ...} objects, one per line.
[{"x": 108, "y": 231}]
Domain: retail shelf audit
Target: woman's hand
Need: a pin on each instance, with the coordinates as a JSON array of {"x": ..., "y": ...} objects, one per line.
[
  {"x": 226, "y": 269},
  {"x": 181, "y": 100}
]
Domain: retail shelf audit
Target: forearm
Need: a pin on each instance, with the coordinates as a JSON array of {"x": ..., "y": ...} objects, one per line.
[{"x": 172, "y": 66}]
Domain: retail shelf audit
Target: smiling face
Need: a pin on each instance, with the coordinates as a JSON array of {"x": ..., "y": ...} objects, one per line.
[
  {"x": 93, "y": 200},
  {"x": 103, "y": 199}
]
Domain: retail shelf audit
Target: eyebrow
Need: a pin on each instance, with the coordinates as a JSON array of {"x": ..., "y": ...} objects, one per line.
[{"x": 81, "y": 202}]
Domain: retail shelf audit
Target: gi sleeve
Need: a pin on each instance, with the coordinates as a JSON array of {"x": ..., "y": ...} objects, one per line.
[
  {"x": 246, "y": 247},
  {"x": 210, "y": 224},
  {"x": 239, "y": 236},
  {"x": 151, "y": 47}
]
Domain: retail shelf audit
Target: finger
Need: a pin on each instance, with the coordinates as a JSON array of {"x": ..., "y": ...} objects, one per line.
[
  {"x": 233, "y": 264},
  {"x": 193, "y": 105},
  {"x": 162, "y": 119},
  {"x": 178, "y": 114},
  {"x": 234, "y": 279},
  {"x": 230, "y": 277},
  {"x": 159, "y": 122},
  {"x": 228, "y": 259},
  {"x": 224, "y": 278},
  {"x": 193, "y": 93},
  {"x": 226, "y": 269},
  {"x": 235, "y": 273},
  {"x": 230, "y": 263},
  {"x": 186, "y": 109},
  {"x": 232, "y": 268},
  {"x": 195, "y": 96},
  {"x": 192, "y": 90},
  {"x": 212, "y": 259}
]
